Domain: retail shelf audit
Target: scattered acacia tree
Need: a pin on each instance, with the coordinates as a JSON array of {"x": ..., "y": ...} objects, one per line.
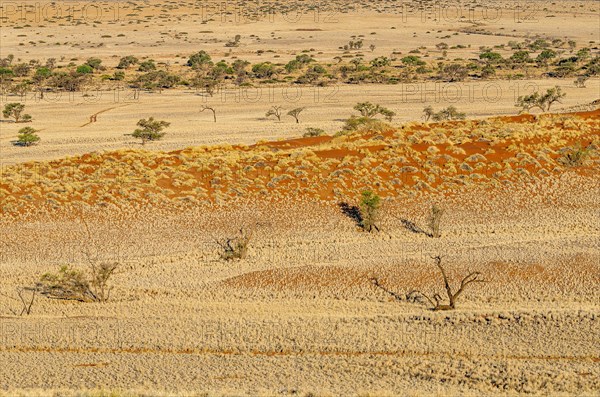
[
  {"x": 436, "y": 300},
  {"x": 370, "y": 204},
  {"x": 151, "y": 130},
  {"x": 21, "y": 89},
  {"x": 15, "y": 110},
  {"x": 295, "y": 113},
  {"x": 370, "y": 110},
  {"x": 214, "y": 112},
  {"x": 235, "y": 247},
  {"x": 453, "y": 72},
  {"x": 553, "y": 95},
  {"x": 435, "y": 220},
  {"x": 27, "y": 137},
  {"x": 542, "y": 102},
  {"x": 275, "y": 111}
]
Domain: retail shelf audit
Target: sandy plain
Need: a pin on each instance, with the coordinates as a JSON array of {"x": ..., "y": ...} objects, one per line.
[{"x": 300, "y": 315}]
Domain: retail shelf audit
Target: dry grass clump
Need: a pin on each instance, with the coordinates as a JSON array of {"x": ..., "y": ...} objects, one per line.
[
  {"x": 73, "y": 284},
  {"x": 574, "y": 156},
  {"x": 235, "y": 247}
]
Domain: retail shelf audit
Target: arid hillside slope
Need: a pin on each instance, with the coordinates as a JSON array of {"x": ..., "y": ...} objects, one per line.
[{"x": 417, "y": 157}]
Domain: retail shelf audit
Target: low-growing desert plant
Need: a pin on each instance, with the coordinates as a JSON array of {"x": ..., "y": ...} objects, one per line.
[
  {"x": 370, "y": 204},
  {"x": 435, "y": 220},
  {"x": 574, "y": 156},
  {"x": 74, "y": 284},
  {"x": 436, "y": 300},
  {"x": 235, "y": 247},
  {"x": 27, "y": 137},
  {"x": 127, "y": 61},
  {"x": 71, "y": 283},
  {"x": 580, "y": 81},
  {"x": 370, "y": 110},
  {"x": 449, "y": 113},
  {"x": 151, "y": 130},
  {"x": 364, "y": 124},
  {"x": 312, "y": 131}
]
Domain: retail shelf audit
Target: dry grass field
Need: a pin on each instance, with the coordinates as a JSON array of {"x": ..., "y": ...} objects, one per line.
[{"x": 118, "y": 267}]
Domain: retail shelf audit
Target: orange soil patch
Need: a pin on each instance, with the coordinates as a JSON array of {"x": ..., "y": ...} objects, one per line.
[{"x": 418, "y": 156}]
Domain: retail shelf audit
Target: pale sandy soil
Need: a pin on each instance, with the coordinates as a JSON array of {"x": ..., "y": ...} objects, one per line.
[
  {"x": 168, "y": 29},
  {"x": 241, "y": 114},
  {"x": 300, "y": 314}
]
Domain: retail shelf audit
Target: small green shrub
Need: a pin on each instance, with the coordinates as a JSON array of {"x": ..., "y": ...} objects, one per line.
[
  {"x": 370, "y": 205},
  {"x": 152, "y": 130},
  {"x": 27, "y": 137}
]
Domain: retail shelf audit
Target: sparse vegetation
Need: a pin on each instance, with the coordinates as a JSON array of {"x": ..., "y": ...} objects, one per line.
[
  {"x": 580, "y": 81},
  {"x": 575, "y": 156},
  {"x": 74, "y": 284},
  {"x": 70, "y": 283},
  {"x": 449, "y": 113},
  {"x": 311, "y": 132},
  {"x": 369, "y": 110}
]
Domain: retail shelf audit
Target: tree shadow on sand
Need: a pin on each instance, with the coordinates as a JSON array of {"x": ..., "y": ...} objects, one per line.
[
  {"x": 412, "y": 227},
  {"x": 352, "y": 212}
]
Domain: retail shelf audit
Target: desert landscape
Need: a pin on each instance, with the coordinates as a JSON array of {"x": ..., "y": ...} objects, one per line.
[{"x": 291, "y": 198}]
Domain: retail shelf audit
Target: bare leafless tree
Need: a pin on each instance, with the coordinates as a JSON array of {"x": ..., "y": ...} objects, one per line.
[
  {"x": 214, "y": 112},
  {"x": 275, "y": 111},
  {"x": 26, "y": 303},
  {"x": 436, "y": 300}
]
